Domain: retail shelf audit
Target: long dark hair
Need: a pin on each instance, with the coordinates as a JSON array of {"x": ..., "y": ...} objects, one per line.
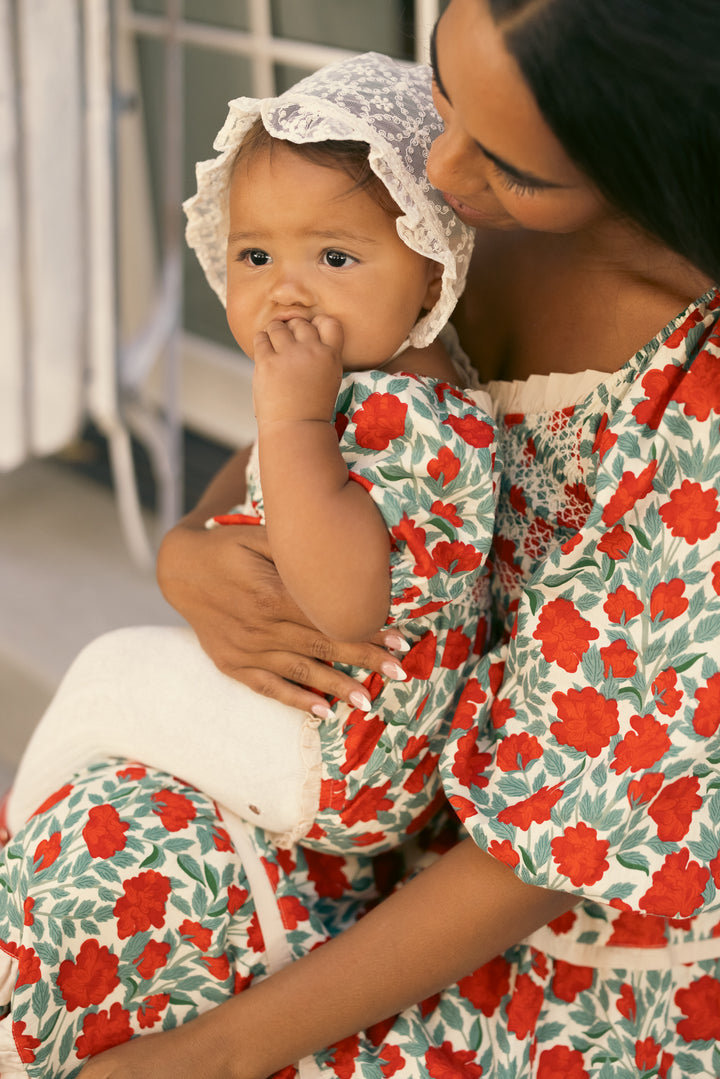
[{"x": 632, "y": 90}]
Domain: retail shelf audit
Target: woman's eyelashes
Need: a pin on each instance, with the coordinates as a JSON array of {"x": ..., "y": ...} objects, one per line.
[{"x": 514, "y": 185}]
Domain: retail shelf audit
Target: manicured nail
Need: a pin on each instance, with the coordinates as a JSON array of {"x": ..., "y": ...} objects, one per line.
[
  {"x": 359, "y": 700},
  {"x": 393, "y": 670},
  {"x": 322, "y": 711},
  {"x": 396, "y": 642}
]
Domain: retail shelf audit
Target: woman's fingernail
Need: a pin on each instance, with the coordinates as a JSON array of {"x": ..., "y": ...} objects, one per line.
[
  {"x": 322, "y": 711},
  {"x": 359, "y": 700},
  {"x": 396, "y": 642},
  {"x": 393, "y": 670}
]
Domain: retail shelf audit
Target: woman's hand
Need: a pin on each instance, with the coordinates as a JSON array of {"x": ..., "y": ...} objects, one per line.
[{"x": 225, "y": 586}]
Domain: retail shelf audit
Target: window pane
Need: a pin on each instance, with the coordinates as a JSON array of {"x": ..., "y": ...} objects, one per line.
[
  {"x": 229, "y": 13},
  {"x": 359, "y": 25}
]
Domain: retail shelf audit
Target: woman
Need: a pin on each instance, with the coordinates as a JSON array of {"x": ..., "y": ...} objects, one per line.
[{"x": 578, "y": 139}]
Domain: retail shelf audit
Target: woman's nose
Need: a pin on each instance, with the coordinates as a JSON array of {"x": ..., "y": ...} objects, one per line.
[{"x": 452, "y": 167}]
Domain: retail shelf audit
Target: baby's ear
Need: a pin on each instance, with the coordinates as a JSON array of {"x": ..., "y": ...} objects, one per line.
[{"x": 434, "y": 284}]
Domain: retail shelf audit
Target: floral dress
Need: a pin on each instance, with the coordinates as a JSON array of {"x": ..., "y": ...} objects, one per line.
[{"x": 583, "y": 753}]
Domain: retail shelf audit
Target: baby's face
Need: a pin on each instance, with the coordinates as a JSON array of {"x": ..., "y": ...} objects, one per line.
[{"x": 303, "y": 243}]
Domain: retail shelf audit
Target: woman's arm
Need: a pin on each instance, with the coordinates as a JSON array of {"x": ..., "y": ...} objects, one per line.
[
  {"x": 328, "y": 539},
  {"x": 443, "y": 924},
  {"x": 225, "y": 585}
]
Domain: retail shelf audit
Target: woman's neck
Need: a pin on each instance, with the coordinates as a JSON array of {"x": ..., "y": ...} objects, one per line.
[{"x": 537, "y": 303}]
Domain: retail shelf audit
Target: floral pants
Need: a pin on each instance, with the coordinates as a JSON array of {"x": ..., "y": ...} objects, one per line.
[{"x": 125, "y": 908}]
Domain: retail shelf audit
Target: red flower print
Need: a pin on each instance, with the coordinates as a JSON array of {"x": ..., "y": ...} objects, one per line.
[
  {"x": 564, "y": 633},
  {"x": 379, "y": 420},
  {"x": 344, "y": 1054},
  {"x": 646, "y": 1053},
  {"x": 151, "y": 1009},
  {"x": 325, "y": 871},
  {"x": 716, "y": 577},
  {"x": 539, "y": 537},
  {"x": 132, "y": 771},
  {"x": 457, "y": 649},
  {"x": 622, "y": 605},
  {"x": 516, "y": 498},
  {"x": 659, "y": 387},
  {"x": 580, "y": 855},
  {"x": 707, "y": 714},
  {"x": 588, "y": 720},
  {"x": 28, "y": 966},
  {"x": 561, "y": 1062},
  {"x": 616, "y": 543},
  {"x": 667, "y": 698},
  {"x": 642, "y": 791},
  {"x": 475, "y": 432},
  {"x": 619, "y": 660},
  {"x": 254, "y": 935},
  {"x": 446, "y": 464},
  {"x": 677, "y": 887},
  {"x": 643, "y": 748},
  {"x": 367, "y": 803},
  {"x": 487, "y": 985},
  {"x": 469, "y": 764},
  {"x": 391, "y": 1060},
  {"x": 472, "y": 696},
  {"x": 292, "y": 912},
  {"x": 420, "y": 774},
  {"x": 571, "y": 544},
  {"x": 196, "y": 934},
  {"x": 517, "y": 750},
  {"x": 691, "y": 512},
  {"x": 674, "y": 806},
  {"x": 680, "y": 334},
  {"x": 408, "y": 532},
  {"x": 630, "y": 489},
  {"x": 341, "y": 422},
  {"x": 563, "y": 923},
  {"x": 578, "y": 504},
  {"x": 665, "y": 1061},
  {"x": 221, "y": 839},
  {"x": 143, "y": 904},
  {"x": 700, "y": 1003},
  {"x": 699, "y": 390},
  {"x": 504, "y": 852},
  {"x": 53, "y": 799},
  {"x": 46, "y": 852},
  {"x": 501, "y": 711},
  {"x": 176, "y": 811},
  {"x": 604, "y": 438},
  {"x": 420, "y": 660},
  {"x": 152, "y": 958},
  {"x": 363, "y": 733},
  {"x": 29, "y": 918},
  {"x": 24, "y": 1043},
  {"x": 236, "y": 898},
  {"x": 104, "y": 833},
  {"x": 90, "y": 978},
  {"x": 569, "y": 980},
  {"x": 217, "y": 965},
  {"x": 524, "y": 1006},
  {"x": 633, "y": 930},
  {"x": 444, "y": 1062},
  {"x": 447, "y": 511},
  {"x": 626, "y": 1003},
  {"x": 667, "y": 600},
  {"x": 463, "y": 807},
  {"x": 456, "y": 557},
  {"x": 103, "y": 1030},
  {"x": 535, "y": 809}
]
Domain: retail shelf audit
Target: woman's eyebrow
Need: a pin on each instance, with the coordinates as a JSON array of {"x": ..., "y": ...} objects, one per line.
[{"x": 528, "y": 178}]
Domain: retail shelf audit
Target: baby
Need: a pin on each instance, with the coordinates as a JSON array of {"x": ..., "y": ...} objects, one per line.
[{"x": 373, "y": 473}]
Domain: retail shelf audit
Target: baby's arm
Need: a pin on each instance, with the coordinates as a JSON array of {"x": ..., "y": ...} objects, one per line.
[{"x": 327, "y": 537}]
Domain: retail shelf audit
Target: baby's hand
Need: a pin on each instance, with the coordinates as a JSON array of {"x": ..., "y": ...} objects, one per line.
[{"x": 298, "y": 370}]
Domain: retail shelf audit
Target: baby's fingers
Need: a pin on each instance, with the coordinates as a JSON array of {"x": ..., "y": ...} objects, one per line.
[{"x": 329, "y": 331}]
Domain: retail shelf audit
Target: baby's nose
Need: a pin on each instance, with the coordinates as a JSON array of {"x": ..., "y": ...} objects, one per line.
[{"x": 291, "y": 287}]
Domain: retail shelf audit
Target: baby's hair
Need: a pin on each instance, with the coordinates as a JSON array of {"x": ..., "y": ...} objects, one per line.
[{"x": 348, "y": 156}]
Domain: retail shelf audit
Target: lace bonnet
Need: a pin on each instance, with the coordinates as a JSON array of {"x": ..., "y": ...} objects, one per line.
[{"x": 368, "y": 98}]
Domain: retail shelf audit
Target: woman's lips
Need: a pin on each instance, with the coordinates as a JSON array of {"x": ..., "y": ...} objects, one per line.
[{"x": 468, "y": 214}]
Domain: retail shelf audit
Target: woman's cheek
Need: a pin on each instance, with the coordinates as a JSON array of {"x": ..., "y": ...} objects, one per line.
[{"x": 544, "y": 212}]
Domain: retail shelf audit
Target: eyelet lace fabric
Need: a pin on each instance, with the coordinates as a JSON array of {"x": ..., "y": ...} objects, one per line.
[{"x": 369, "y": 98}]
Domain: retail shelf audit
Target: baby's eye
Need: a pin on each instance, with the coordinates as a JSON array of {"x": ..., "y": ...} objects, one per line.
[
  {"x": 337, "y": 259},
  {"x": 255, "y": 256}
]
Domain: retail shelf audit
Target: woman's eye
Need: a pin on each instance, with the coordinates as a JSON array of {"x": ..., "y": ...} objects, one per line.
[
  {"x": 255, "y": 256},
  {"x": 337, "y": 259},
  {"x": 511, "y": 183}
]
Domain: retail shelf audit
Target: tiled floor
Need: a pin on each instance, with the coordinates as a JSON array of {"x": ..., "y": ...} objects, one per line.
[{"x": 65, "y": 577}]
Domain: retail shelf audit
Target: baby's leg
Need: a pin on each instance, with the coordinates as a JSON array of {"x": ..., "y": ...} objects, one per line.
[{"x": 151, "y": 694}]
